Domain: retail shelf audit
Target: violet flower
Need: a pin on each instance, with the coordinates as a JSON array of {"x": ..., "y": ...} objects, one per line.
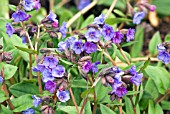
[
  {"x": 20, "y": 16},
  {"x": 136, "y": 79},
  {"x": 52, "y": 17},
  {"x": 164, "y": 56},
  {"x": 99, "y": 20},
  {"x": 94, "y": 67},
  {"x": 117, "y": 38},
  {"x": 78, "y": 47},
  {"x": 63, "y": 29},
  {"x": 92, "y": 35},
  {"x": 1, "y": 79},
  {"x": 28, "y": 111},
  {"x": 138, "y": 16},
  {"x": 90, "y": 47},
  {"x": 83, "y": 3},
  {"x": 63, "y": 96},
  {"x": 28, "y": 4},
  {"x": 130, "y": 34},
  {"x": 87, "y": 66},
  {"x": 107, "y": 32},
  {"x": 36, "y": 101},
  {"x": 47, "y": 76},
  {"x": 58, "y": 71},
  {"x": 50, "y": 62},
  {"x": 9, "y": 29},
  {"x": 50, "y": 86},
  {"x": 121, "y": 91}
]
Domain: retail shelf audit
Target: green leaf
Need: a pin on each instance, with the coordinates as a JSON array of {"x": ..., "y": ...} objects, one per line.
[
  {"x": 167, "y": 38},
  {"x": 22, "y": 103},
  {"x": 2, "y": 64},
  {"x": 105, "y": 110},
  {"x": 151, "y": 109},
  {"x": 66, "y": 62},
  {"x": 128, "y": 104},
  {"x": 4, "y": 9},
  {"x": 133, "y": 92},
  {"x": 145, "y": 64},
  {"x": 158, "y": 109},
  {"x": 165, "y": 105},
  {"x": 2, "y": 97},
  {"x": 81, "y": 83},
  {"x": 88, "y": 21},
  {"x": 27, "y": 50},
  {"x": 5, "y": 110},
  {"x": 87, "y": 108},
  {"x": 12, "y": 7},
  {"x": 88, "y": 93},
  {"x": 68, "y": 109},
  {"x": 156, "y": 39},
  {"x": 137, "y": 47},
  {"x": 9, "y": 71},
  {"x": 112, "y": 21},
  {"x": 128, "y": 43},
  {"x": 23, "y": 88},
  {"x": 120, "y": 56},
  {"x": 118, "y": 12}
]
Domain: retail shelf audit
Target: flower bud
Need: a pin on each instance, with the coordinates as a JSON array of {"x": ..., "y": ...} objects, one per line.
[
  {"x": 109, "y": 79},
  {"x": 85, "y": 58},
  {"x": 47, "y": 110},
  {"x": 53, "y": 34},
  {"x": 103, "y": 81}
]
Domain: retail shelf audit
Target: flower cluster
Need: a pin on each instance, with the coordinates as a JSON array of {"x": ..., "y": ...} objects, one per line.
[
  {"x": 53, "y": 75},
  {"x": 87, "y": 66},
  {"x": 164, "y": 52},
  {"x": 118, "y": 80}
]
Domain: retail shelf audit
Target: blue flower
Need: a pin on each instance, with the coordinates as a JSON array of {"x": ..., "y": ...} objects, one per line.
[
  {"x": 47, "y": 76},
  {"x": 130, "y": 34},
  {"x": 90, "y": 47},
  {"x": 50, "y": 62},
  {"x": 138, "y": 17},
  {"x": 50, "y": 86},
  {"x": 132, "y": 70},
  {"x": 86, "y": 66},
  {"x": 20, "y": 16},
  {"x": 107, "y": 32},
  {"x": 99, "y": 20},
  {"x": 24, "y": 39},
  {"x": 118, "y": 72},
  {"x": 63, "y": 29},
  {"x": 63, "y": 96},
  {"x": 121, "y": 91},
  {"x": 94, "y": 67},
  {"x": 117, "y": 38},
  {"x": 37, "y": 4},
  {"x": 58, "y": 71},
  {"x": 82, "y": 4},
  {"x": 1, "y": 79},
  {"x": 164, "y": 56},
  {"x": 161, "y": 47},
  {"x": 36, "y": 101},
  {"x": 92, "y": 35},
  {"x": 52, "y": 17},
  {"x": 136, "y": 79},
  {"x": 63, "y": 46},
  {"x": 9, "y": 29},
  {"x": 28, "y": 4},
  {"x": 29, "y": 111},
  {"x": 78, "y": 47}
]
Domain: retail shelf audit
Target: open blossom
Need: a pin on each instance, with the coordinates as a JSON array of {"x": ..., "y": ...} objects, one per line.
[
  {"x": 130, "y": 34},
  {"x": 107, "y": 32},
  {"x": 63, "y": 29},
  {"x": 94, "y": 67},
  {"x": 50, "y": 61},
  {"x": 87, "y": 66},
  {"x": 90, "y": 47},
  {"x": 37, "y": 4},
  {"x": 52, "y": 17},
  {"x": 29, "y": 111},
  {"x": 58, "y": 71},
  {"x": 92, "y": 35},
  {"x": 47, "y": 76},
  {"x": 121, "y": 91},
  {"x": 20, "y": 16},
  {"x": 50, "y": 86},
  {"x": 137, "y": 18},
  {"x": 78, "y": 47},
  {"x": 36, "y": 101},
  {"x": 9, "y": 29},
  {"x": 63, "y": 96},
  {"x": 99, "y": 20},
  {"x": 117, "y": 38},
  {"x": 63, "y": 46},
  {"x": 82, "y": 4},
  {"x": 28, "y": 4}
]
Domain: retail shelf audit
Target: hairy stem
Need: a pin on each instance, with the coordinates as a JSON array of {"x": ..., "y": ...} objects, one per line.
[
  {"x": 30, "y": 57},
  {"x": 39, "y": 82}
]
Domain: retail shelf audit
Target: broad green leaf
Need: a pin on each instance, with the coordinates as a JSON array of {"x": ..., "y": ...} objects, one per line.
[
  {"x": 4, "y": 9},
  {"x": 66, "y": 62},
  {"x": 27, "y": 50},
  {"x": 88, "y": 21},
  {"x": 118, "y": 12},
  {"x": 12, "y": 7},
  {"x": 87, "y": 108},
  {"x": 128, "y": 43},
  {"x": 151, "y": 109},
  {"x": 156, "y": 39},
  {"x": 81, "y": 83},
  {"x": 88, "y": 93},
  {"x": 133, "y": 92},
  {"x": 158, "y": 109},
  {"x": 145, "y": 100},
  {"x": 9, "y": 71},
  {"x": 167, "y": 38},
  {"x": 165, "y": 105},
  {"x": 68, "y": 109},
  {"x": 2, "y": 96},
  {"x": 112, "y": 21},
  {"x": 22, "y": 103},
  {"x": 23, "y": 88},
  {"x": 128, "y": 104},
  {"x": 145, "y": 64},
  {"x": 5, "y": 110},
  {"x": 105, "y": 110},
  {"x": 2, "y": 64},
  {"x": 120, "y": 56},
  {"x": 137, "y": 47}
]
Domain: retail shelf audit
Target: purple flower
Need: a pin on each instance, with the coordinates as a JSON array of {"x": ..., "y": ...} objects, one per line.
[
  {"x": 24, "y": 39},
  {"x": 47, "y": 76},
  {"x": 20, "y": 16},
  {"x": 78, "y": 47},
  {"x": 82, "y": 4},
  {"x": 63, "y": 29},
  {"x": 90, "y": 47},
  {"x": 164, "y": 56},
  {"x": 117, "y": 38},
  {"x": 132, "y": 70},
  {"x": 92, "y": 35},
  {"x": 28, "y": 4},
  {"x": 50, "y": 62},
  {"x": 136, "y": 79},
  {"x": 87, "y": 66},
  {"x": 36, "y": 101},
  {"x": 58, "y": 71},
  {"x": 37, "y": 4},
  {"x": 130, "y": 35},
  {"x": 137, "y": 18},
  {"x": 41, "y": 68},
  {"x": 28, "y": 111},
  {"x": 160, "y": 47},
  {"x": 118, "y": 72},
  {"x": 107, "y": 32},
  {"x": 94, "y": 67},
  {"x": 9, "y": 29},
  {"x": 121, "y": 91},
  {"x": 50, "y": 86},
  {"x": 71, "y": 40},
  {"x": 99, "y": 20},
  {"x": 52, "y": 17},
  {"x": 115, "y": 85},
  {"x": 63, "y": 46},
  {"x": 1, "y": 79},
  {"x": 63, "y": 96}
]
